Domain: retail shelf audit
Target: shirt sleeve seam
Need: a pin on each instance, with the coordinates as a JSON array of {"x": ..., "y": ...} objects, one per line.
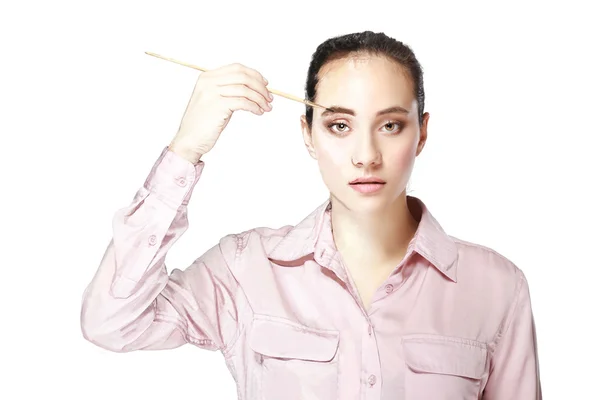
[
  {"x": 227, "y": 349},
  {"x": 508, "y": 321}
]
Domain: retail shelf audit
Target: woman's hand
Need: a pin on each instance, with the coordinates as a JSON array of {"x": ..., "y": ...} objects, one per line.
[{"x": 217, "y": 94}]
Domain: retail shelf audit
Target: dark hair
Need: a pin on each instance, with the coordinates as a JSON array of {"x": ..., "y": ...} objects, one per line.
[{"x": 370, "y": 43}]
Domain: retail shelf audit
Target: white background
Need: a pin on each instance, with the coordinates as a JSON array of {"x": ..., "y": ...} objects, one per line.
[{"x": 511, "y": 162}]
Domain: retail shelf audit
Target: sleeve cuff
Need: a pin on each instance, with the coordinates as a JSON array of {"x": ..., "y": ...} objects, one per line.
[{"x": 173, "y": 178}]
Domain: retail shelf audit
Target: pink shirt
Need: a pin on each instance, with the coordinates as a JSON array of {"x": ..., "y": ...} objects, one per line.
[{"x": 453, "y": 321}]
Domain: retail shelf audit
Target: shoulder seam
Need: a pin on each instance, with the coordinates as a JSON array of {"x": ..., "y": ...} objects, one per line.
[
  {"x": 510, "y": 316},
  {"x": 486, "y": 248},
  {"x": 227, "y": 348}
]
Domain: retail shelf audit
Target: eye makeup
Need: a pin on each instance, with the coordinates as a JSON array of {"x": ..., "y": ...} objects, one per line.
[{"x": 330, "y": 125}]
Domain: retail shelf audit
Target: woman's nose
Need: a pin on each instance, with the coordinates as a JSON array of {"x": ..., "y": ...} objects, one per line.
[{"x": 366, "y": 153}]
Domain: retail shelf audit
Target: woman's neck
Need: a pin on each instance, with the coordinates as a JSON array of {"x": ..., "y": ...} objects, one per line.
[{"x": 376, "y": 238}]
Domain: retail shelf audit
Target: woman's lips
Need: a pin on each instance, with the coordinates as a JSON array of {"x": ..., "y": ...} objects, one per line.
[{"x": 367, "y": 187}]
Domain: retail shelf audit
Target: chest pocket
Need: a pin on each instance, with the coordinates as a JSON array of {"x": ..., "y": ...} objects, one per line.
[
  {"x": 442, "y": 367},
  {"x": 294, "y": 361}
]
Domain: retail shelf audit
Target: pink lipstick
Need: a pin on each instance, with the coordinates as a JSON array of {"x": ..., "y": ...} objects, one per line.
[{"x": 367, "y": 184}]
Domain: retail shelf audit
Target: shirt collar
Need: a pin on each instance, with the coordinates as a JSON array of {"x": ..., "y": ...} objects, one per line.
[{"x": 313, "y": 236}]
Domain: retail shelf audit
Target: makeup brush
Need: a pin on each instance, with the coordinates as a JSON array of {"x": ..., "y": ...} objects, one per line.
[{"x": 277, "y": 92}]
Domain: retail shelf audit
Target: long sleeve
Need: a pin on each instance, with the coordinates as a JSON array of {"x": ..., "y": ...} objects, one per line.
[
  {"x": 514, "y": 371},
  {"x": 132, "y": 303}
]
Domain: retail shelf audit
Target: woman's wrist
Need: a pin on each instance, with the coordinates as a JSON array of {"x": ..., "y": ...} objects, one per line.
[{"x": 185, "y": 153}]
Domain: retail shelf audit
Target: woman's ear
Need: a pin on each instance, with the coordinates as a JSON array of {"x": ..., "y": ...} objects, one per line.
[
  {"x": 423, "y": 133},
  {"x": 307, "y": 135}
]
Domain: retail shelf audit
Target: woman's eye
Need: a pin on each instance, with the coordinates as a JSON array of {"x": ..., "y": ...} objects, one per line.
[
  {"x": 338, "y": 124},
  {"x": 341, "y": 127},
  {"x": 400, "y": 126}
]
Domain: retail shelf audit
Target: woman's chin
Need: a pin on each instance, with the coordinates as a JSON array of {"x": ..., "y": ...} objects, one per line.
[{"x": 371, "y": 203}]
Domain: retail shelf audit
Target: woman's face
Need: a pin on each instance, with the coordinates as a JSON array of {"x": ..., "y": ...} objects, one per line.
[{"x": 365, "y": 140}]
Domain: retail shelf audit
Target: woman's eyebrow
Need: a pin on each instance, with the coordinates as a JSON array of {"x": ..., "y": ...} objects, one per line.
[{"x": 343, "y": 110}]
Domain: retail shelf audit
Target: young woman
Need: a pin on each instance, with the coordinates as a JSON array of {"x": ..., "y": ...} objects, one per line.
[{"x": 366, "y": 298}]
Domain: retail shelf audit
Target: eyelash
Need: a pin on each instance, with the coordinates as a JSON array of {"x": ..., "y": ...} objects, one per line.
[{"x": 329, "y": 126}]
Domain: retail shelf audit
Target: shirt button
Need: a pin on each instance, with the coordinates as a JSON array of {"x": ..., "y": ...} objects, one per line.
[
  {"x": 389, "y": 288},
  {"x": 370, "y": 330},
  {"x": 152, "y": 240},
  {"x": 181, "y": 181},
  {"x": 372, "y": 380}
]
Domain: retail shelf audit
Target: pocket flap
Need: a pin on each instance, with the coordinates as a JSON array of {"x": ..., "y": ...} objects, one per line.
[
  {"x": 281, "y": 338},
  {"x": 445, "y": 355}
]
